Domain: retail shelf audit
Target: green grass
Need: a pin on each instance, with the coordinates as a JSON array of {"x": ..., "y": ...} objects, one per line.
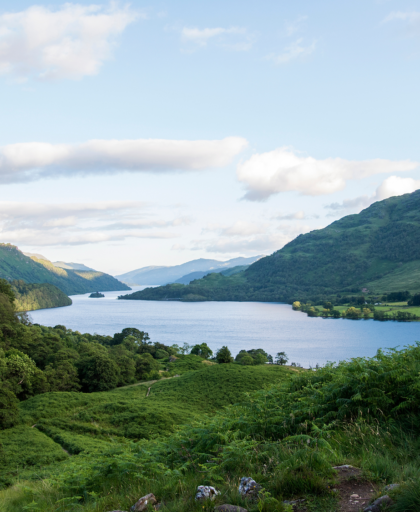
[
  {"x": 23, "y": 447},
  {"x": 287, "y": 437},
  {"x": 83, "y": 423}
]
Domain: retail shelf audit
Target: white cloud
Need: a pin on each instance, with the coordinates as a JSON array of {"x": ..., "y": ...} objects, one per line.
[
  {"x": 292, "y": 51},
  {"x": 300, "y": 215},
  {"x": 233, "y": 38},
  {"x": 291, "y": 27},
  {"x": 31, "y": 161},
  {"x": 282, "y": 170},
  {"x": 81, "y": 223},
  {"x": 68, "y": 43},
  {"x": 248, "y": 238},
  {"x": 411, "y": 17},
  {"x": 392, "y": 186}
]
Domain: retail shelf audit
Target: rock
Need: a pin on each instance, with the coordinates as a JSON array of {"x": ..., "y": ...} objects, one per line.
[
  {"x": 294, "y": 503},
  {"x": 230, "y": 508},
  {"x": 379, "y": 504},
  {"x": 391, "y": 487},
  {"x": 206, "y": 492},
  {"x": 143, "y": 503},
  {"x": 346, "y": 466},
  {"x": 249, "y": 487}
]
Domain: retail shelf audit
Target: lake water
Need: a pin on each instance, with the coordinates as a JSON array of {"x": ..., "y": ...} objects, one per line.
[{"x": 239, "y": 325}]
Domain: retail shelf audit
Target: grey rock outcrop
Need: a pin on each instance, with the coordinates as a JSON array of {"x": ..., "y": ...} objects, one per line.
[
  {"x": 143, "y": 503},
  {"x": 391, "y": 487},
  {"x": 249, "y": 488},
  {"x": 380, "y": 504},
  {"x": 206, "y": 492}
]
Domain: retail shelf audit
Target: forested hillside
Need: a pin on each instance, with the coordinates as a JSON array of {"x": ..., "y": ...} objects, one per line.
[
  {"x": 14, "y": 265},
  {"x": 29, "y": 297},
  {"x": 377, "y": 249}
]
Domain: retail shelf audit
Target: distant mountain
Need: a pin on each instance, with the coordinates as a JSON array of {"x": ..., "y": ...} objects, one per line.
[
  {"x": 165, "y": 275},
  {"x": 14, "y": 265},
  {"x": 198, "y": 275},
  {"x": 73, "y": 266},
  {"x": 376, "y": 251}
]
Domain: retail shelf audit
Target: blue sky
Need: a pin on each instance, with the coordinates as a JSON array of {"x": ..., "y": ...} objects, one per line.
[{"x": 154, "y": 133}]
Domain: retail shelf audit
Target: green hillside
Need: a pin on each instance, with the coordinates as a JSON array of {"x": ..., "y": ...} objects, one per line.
[
  {"x": 14, "y": 265},
  {"x": 377, "y": 249},
  {"x": 29, "y": 297}
]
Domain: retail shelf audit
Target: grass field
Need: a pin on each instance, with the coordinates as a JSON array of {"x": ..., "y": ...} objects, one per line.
[{"x": 82, "y": 423}]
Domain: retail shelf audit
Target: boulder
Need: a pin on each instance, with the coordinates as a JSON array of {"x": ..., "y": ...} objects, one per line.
[
  {"x": 230, "y": 508},
  {"x": 143, "y": 503},
  {"x": 249, "y": 488},
  {"x": 380, "y": 504},
  {"x": 206, "y": 492}
]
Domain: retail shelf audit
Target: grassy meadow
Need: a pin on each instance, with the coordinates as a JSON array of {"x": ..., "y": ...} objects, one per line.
[{"x": 285, "y": 427}]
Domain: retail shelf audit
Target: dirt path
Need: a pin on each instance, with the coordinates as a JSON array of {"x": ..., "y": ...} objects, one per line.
[
  {"x": 355, "y": 492},
  {"x": 146, "y": 383}
]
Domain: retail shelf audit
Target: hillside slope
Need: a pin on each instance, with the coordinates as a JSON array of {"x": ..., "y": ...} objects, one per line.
[
  {"x": 30, "y": 297},
  {"x": 377, "y": 249},
  {"x": 14, "y": 265}
]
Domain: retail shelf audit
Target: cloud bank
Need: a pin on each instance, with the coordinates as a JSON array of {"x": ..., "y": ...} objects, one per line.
[
  {"x": 233, "y": 38},
  {"x": 281, "y": 170},
  {"x": 67, "y": 43},
  {"x": 82, "y": 223},
  {"x": 392, "y": 186},
  {"x": 31, "y": 161}
]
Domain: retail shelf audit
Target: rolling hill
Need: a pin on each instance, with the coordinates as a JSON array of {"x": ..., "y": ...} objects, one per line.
[
  {"x": 376, "y": 250},
  {"x": 164, "y": 275},
  {"x": 14, "y": 265}
]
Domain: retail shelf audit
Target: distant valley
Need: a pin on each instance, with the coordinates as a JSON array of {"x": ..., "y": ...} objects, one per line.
[{"x": 38, "y": 283}]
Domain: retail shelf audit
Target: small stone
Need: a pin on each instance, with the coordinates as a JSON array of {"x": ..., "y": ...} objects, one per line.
[
  {"x": 354, "y": 496},
  {"x": 391, "y": 487},
  {"x": 144, "y": 502},
  {"x": 379, "y": 504},
  {"x": 346, "y": 466},
  {"x": 230, "y": 508},
  {"x": 249, "y": 487},
  {"x": 206, "y": 492}
]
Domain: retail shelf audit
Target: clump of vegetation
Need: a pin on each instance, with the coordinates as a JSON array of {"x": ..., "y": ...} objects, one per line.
[{"x": 96, "y": 295}]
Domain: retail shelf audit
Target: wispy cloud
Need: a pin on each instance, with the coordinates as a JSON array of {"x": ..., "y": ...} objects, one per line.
[
  {"x": 291, "y": 27},
  {"x": 32, "y": 161},
  {"x": 247, "y": 238},
  {"x": 300, "y": 215},
  {"x": 233, "y": 38},
  {"x": 66, "y": 43},
  {"x": 297, "y": 49},
  {"x": 82, "y": 223},
  {"x": 283, "y": 170}
]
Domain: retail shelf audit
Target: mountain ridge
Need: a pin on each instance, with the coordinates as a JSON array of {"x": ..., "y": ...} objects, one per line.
[{"x": 164, "y": 275}]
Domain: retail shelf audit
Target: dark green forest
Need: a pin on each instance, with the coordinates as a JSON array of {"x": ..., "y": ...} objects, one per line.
[{"x": 377, "y": 250}]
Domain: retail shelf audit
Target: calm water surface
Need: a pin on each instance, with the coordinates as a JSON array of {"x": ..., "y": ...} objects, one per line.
[{"x": 239, "y": 325}]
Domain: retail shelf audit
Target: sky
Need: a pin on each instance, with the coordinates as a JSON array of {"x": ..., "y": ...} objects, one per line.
[{"x": 154, "y": 133}]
